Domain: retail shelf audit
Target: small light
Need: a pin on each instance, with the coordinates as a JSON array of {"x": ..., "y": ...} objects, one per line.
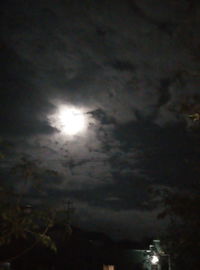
[{"x": 154, "y": 259}]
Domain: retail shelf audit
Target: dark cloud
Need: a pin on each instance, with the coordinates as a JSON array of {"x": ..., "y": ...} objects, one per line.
[
  {"x": 123, "y": 65},
  {"x": 115, "y": 223},
  {"x": 22, "y": 105}
]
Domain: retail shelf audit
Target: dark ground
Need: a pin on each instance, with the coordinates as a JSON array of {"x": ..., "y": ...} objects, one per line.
[{"x": 81, "y": 250}]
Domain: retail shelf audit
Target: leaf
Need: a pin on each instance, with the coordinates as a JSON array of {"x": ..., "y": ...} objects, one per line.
[
  {"x": 47, "y": 241},
  {"x": 195, "y": 116}
]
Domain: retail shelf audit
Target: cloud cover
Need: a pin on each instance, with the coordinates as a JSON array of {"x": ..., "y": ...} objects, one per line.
[{"x": 122, "y": 62}]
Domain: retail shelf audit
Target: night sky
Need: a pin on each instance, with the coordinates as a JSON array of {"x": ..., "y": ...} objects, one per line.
[{"x": 124, "y": 65}]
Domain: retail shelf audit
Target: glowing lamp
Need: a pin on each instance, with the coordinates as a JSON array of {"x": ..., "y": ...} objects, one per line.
[{"x": 154, "y": 259}]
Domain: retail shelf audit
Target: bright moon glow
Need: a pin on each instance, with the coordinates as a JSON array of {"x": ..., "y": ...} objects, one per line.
[{"x": 71, "y": 120}]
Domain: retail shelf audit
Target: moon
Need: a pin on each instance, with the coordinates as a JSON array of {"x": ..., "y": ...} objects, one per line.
[
  {"x": 72, "y": 120},
  {"x": 69, "y": 120}
]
